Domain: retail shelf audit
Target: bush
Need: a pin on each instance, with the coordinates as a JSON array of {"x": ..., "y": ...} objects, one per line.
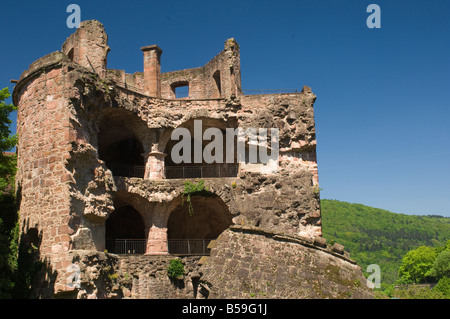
[
  {"x": 418, "y": 293},
  {"x": 175, "y": 268},
  {"x": 443, "y": 286}
]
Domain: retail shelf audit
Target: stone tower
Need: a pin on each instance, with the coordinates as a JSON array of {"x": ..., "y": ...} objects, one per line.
[{"x": 101, "y": 192}]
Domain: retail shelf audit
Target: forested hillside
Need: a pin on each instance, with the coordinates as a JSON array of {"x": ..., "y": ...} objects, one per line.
[{"x": 377, "y": 236}]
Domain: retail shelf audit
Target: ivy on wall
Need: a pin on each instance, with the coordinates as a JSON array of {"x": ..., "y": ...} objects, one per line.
[{"x": 193, "y": 189}]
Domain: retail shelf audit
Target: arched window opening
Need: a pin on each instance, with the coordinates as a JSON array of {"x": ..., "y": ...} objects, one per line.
[
  {"x": 125, "y": 231},
  {"x": 124, "y": 158},
  {"x": 190, "y": 234}
]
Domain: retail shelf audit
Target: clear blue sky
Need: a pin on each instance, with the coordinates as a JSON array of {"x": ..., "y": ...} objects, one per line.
[{"x": 383, "y": 95}]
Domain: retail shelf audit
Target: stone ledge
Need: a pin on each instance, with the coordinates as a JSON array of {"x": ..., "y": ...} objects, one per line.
[
  {"x": 48, "y": 61},
  {"x": 336, "y": 250}
]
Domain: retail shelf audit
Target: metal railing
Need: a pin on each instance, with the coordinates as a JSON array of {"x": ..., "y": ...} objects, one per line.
[
  {"x": 126, "y": 246},
  {"x": 175, "y": 246},
  {"x": 189, "y": 246},
  {"x": 209, "y": 171},
  {"x": 128, "y": 170}
]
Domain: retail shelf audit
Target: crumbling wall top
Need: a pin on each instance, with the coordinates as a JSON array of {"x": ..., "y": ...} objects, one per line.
[{"x": 88, "y": 46}]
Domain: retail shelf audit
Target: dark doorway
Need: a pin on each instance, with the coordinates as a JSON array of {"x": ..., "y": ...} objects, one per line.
[
  {"x": 125, "y": 231},
  {"x": 190, "y": 234},
  {"x": 118, "y": 145}
]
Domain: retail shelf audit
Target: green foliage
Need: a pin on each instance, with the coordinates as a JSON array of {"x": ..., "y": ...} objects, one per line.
[
  {"x": 376, "y": 236},
  {"x": 9, "y": 229},
  {"x": 441, "y": 266},
  {"x": 316, "y": 190},
  {"x": 192, "y": 189},
  {"x": 386, "y": 291},
  {"x": 8, "y": 164},
  {"x": 416, "y": 265},
  {"x": 418, "y": 293},
  {"x": 175, "y": 268},
  {"x": 7, "y": 141},
  {"x": 443, "y": 286}
]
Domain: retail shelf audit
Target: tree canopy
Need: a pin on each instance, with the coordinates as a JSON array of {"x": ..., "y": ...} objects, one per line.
[
  {"x": 7, "y": 142},
  {"x": 8, "y": 212},
  {"x": 376, "y": 236},
  {"x": 416, "y": 265}
]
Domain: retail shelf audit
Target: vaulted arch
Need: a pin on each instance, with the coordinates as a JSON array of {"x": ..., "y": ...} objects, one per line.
[
  {"x": 190, "y": 232},
  {"x": 122, "y": 142}
]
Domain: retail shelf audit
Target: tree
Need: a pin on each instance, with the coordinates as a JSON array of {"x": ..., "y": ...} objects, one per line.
[
  {"x": 443, "y": 286},
  {"x": 416, "y": 265},
  {"x": 7, "y": 142},
  {"x": 8, "y": 212},
  {"x": 441, "y": 266}
]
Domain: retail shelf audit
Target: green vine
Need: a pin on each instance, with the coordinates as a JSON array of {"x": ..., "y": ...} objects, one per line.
[{"x": 192, "y": 189}]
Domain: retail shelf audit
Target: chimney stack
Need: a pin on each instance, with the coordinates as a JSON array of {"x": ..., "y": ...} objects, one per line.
[{"x": 152, "y": 70}]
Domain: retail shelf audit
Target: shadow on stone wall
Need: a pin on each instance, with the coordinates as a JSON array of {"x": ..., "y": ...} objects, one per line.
[
  {"x": 8, "y": 251},
  {"x": 35, "y": 277}
]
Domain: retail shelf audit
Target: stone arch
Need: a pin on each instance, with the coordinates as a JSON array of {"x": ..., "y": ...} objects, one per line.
[
  {"x": 123, "y": 140},
  {"x": 190, "y": 233},
  {"x": 126, "y": 228},
  {"x": 125, "y": 223}
]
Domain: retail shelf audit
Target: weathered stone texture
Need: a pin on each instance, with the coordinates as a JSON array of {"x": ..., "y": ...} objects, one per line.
[
  {"x": 149, "y": 278},
  {"x": 73, "y": 114},
  {"x": 88, "y": 47},
  {"x": 42, "y": 149},
  {"x": 96, "y": 275},
  {"x": 252, "y": 263}
]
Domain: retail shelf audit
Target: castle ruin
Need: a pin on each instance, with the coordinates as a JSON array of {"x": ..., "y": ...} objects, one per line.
[{"x": 104, "y": 201}]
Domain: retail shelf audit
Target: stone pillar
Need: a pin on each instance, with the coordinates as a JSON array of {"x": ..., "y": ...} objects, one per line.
[
  {"x": 154, "y": 167},
  {"x": 157, "y": 241},
  {"x": 152, "y": 70}
]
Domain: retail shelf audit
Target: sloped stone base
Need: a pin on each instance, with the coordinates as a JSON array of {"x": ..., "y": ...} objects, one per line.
[{"x": 250, "y": 263}]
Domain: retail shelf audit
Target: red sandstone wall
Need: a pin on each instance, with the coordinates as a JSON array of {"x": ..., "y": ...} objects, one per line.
[{"x": 44, "y": 129}]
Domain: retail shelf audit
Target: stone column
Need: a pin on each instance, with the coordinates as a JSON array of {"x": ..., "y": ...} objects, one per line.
[
  {"x": 154, "y": 167},
  {"x": 152, "y": 70},
  {"x": 157, "y": 233},
  {"x": 157, "y": 241}
]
